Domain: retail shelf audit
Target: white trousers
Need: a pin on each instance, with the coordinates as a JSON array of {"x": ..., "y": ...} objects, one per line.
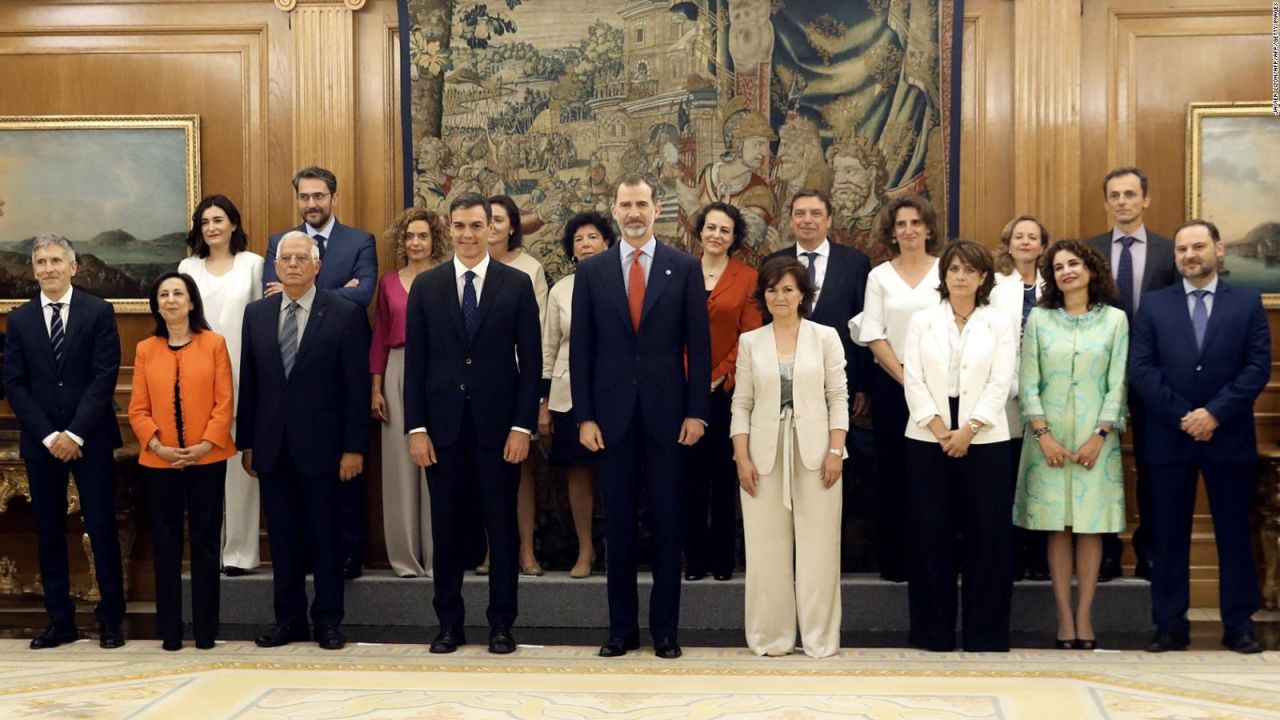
[
  {"x": 793, "y": 556},
  {"x": 241, "y": 516},
  {"x": 406, "y": 505}
]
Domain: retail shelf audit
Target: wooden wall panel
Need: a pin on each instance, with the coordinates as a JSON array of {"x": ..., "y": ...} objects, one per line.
[{"x": 986, "y": 121}]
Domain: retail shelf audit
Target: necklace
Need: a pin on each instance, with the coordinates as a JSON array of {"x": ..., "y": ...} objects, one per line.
[{"x": 962, "y": 319}]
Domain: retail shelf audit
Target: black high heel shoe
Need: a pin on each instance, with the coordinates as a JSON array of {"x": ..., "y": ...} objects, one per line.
[
  {"x": 1082, "y": 644},
  {"x": 1060, "y": 644}
]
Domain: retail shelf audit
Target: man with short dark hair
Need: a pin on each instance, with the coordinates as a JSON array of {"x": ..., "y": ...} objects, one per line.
[
  {"x": 61, "y": 359},
  {"x": 639, "y": 311},
  {"x": 348, "y": 269},
  {"x": 1200, "y": 356},
  {"x": 1141, "y": 262},
  {"x": 472, "y": 378}
]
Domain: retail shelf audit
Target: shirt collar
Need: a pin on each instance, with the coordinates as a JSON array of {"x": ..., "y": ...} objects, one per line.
[
  {"x": 823, "y": 249},
  {"x": 326, "y": 231},
  {"x": 648, "y": 249},
  {"x": 480, "y": 269},
  {"x": 304, "y": 302},
  {"x": 1140, "y": 234},
  {"x": 65, "y": 300},
  {"x": 1212, "y": 287}
]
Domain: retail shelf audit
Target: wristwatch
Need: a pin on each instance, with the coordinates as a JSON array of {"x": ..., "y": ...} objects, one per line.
[
  {"x": 839, "y": 452},
  {"x": 1101, "y": 432},
  {"x": 975, "y": 426}
]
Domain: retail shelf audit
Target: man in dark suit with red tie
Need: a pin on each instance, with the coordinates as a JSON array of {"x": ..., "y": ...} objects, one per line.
[
  {"x": 639, "y": 310},
  {"x": 1200, "y": 356}
]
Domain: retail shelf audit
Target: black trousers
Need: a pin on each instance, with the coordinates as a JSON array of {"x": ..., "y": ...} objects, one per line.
[
  {"x": 196, "y": 493},
  {"x": 468, "y": 473},
  {"x": 710, "y": 538},
  {"x": 889, "y": 417},
  {"x": 638, "y": 463},
  {"x": 960, "y": 523},
  {"x": 1231, "y": 488},
  {"x": 352, "y": 504},
  {"x": 302, "y": 518},
  {"x": 95, "y": 480},
  {"x": 1030, "y": 547}
]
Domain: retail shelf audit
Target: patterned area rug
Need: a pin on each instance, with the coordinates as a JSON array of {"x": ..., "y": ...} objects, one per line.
[{"x": 238, "y": 680}]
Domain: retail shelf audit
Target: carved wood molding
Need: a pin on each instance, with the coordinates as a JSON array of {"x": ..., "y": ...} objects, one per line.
[
  {"x": 1047, "y": 112},
  {"x": 290, "y": 5}
]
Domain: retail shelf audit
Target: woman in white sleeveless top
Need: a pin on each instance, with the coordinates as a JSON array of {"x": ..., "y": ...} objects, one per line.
[{"x": 229, "y": 278}]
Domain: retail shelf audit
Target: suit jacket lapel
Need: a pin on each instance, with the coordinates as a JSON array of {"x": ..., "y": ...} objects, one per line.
[
  {"x": 449, "y": 290},
  {"x": 659, "y": 276},
  {"x": 1220, "y": 300},
  {"x": 318, "y": 307},
  {"x": 614, "y": 288},
  {"x": 831, "y": 282},
  {"x": 270, "y": 332},
  {"x": 492, "y": 286},
  {"x": 731, "y": 273},
  {"x": 46, "y": 347},
  {"x": 75, "y": 320}
]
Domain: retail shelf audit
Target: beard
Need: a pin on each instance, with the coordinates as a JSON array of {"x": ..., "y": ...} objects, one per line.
[{"x": 847, "y": 198}]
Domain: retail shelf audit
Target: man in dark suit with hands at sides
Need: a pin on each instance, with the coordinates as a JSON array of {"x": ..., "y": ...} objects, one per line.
[
  {"x": 639, "y": 310},
  {"x": 473, "y": 373}
]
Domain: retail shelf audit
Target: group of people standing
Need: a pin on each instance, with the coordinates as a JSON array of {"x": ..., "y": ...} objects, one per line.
[{"x": 663, "y": 377}]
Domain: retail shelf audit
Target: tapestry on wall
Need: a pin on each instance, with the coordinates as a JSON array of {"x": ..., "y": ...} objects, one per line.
[{"x": 749, "y": 101}]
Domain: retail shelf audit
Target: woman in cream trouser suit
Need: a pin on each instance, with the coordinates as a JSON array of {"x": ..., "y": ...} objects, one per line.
[{"x": 790, "y": 415}]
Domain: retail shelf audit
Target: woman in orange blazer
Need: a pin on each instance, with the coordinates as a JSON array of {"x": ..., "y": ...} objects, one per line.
[
  {"x": 710, "y": 538},
  {"x": 181, "y": 412}
]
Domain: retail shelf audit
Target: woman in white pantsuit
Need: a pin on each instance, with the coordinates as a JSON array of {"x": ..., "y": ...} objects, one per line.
[
  {"x": 229, "y": 277},
  {"x": 790, "y": 415},
  {"x": 417, "y": 239}
]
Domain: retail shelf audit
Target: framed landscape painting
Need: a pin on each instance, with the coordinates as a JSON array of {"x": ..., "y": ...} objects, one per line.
[
  {"x": 122, "y": 188},
  {"x": 1233, "y": 181}
]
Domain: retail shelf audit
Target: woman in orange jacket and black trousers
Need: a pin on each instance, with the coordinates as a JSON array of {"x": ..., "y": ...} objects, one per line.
[{"x": 181, "y": 411}]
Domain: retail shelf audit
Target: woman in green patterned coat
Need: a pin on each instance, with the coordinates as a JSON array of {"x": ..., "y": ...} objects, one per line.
[{"x": 1071, "y": 480}]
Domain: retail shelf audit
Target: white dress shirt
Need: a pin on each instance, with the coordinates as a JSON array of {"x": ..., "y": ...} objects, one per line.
[
  {"x": 890, "y": 302},
  {"x": 326, "y": 231},
  {"x": 1212, "y": 287},
  {"x": 65, "y": 313},
  {"x": 303, "y": 312},
  {"x": 646, "y": 260},
  {"x": 819, "y": 264},
  {"x": 460, "y": 276}
]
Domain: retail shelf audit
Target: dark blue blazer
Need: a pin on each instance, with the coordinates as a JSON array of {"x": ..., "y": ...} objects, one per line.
[
  {"x": 614, "y": 367},
  {"x": 324, "y": 404},
  {"x": 1225, "y": 377},
  {"x": 349, "y": 254},
  {"x": 499, "y": 367},
  {"x": 76, "y": 396},
  {"x": 843, "y": 292}
]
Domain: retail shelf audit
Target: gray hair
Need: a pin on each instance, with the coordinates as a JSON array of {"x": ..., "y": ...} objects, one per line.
[
  {"x": 315, "y": 247},
  {"x": 44, "y": 240}
]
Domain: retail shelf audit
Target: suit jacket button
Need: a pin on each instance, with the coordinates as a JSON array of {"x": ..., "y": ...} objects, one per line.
[
  {"x": 1198, "y": 367},
  {"x": 468, "y": 361},
  {"x": 462, "y": 387},
  {"x": 60, "y": 382}
]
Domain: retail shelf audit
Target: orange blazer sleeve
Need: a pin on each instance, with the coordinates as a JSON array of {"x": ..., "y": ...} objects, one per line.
[
  {"x": 737, "y": 314},
  {"x": 218, "y": 431},
  {"x": 140, "y": 419}
]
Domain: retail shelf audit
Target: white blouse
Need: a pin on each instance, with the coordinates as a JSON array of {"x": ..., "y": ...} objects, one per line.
[
  {"x": 890, "y": 303},
  {"x": 225, "y": 297}
]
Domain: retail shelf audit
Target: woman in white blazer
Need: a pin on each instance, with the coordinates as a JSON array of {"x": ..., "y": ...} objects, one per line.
[
  {"x": 790, "y": 415},
  {"x": 959, "y": 364},
  {"x": 585, "y": 234},
  {"x": 1017, "y": 290}
]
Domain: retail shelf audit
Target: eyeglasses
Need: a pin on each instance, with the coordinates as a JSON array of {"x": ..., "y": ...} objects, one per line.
[
  {"x": 317, "y": 196},
  {"x": 292, "y": 259}
]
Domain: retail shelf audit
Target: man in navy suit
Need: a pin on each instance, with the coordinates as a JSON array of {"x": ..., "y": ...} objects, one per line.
[
  {"x": 349, "y": 269},
  {"x": 1141, "y": 262},
  {"x": 639, "y": 310},
  {"x": 62, "y": 355},
  {"x": 472, "y": 378},
  {"x": 302, "y": 423},
  {"x": 1200, "y": 356}
]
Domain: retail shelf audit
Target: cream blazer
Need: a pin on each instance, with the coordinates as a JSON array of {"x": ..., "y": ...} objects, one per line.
[
  {"x": 1006, "y": 296},
  {"x": 988, "y": 363},
  {"x": 555, "y": 344},
  {"x": 820, "y": 394}
]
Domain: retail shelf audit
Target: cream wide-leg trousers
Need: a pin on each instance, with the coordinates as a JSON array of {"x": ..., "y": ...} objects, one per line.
[
  {"x": 240, "y": 521},
  {"x": 792, "y": 522},
  {"x": 406, "y": 505}
]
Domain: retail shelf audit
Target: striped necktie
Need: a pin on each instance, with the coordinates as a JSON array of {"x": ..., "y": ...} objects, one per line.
[
  {"x": 289, "y": 338},
  {"x": 57, "y": 333}
]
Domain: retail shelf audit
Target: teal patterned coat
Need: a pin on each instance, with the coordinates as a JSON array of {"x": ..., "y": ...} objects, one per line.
[{"x": 1073, "y": 377}]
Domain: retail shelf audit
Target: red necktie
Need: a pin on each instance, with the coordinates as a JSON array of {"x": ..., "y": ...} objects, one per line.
[{"x": 635, "y": 290}]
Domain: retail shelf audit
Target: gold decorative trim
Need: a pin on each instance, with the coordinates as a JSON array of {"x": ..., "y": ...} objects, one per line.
[{"x": 291, "y": 5}]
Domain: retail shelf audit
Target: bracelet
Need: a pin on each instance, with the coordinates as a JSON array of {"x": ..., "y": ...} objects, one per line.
[
  {"x": 1040, "y": 432},
  {"x": 838, "y": 452}
]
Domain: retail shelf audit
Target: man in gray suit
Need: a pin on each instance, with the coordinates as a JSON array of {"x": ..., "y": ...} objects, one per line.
[{"x": 1141, "y": 262}]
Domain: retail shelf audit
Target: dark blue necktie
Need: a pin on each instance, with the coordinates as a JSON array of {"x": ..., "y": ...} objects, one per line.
[
  {"x": 57, "y": 335},
  {"x": 812, "y": 258},
  {"x": 320, "y": 242},
  {"x": 1200, "y": 317},
  {"x": 469, "y": 303},
  {"x": 1124, "y": 275}
]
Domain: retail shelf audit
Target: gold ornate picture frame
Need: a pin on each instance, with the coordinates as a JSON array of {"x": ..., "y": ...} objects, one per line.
[
  {"x": 1233, "y": 181},
  {"x": 121, "y": 187}
]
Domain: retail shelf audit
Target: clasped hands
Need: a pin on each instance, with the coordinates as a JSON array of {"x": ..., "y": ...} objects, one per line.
[
  {"x": 64, "y": 448},
  {"x": 1199, "y": 424},
  {"x": 180, "y": 458},
  {"x": 1056, "y": 455}
]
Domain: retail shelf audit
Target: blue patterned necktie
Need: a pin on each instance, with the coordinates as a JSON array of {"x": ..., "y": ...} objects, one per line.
[
  {"x": 57, "y": 334},
  {"x": 1200, "y": 317},
  {"x": 1124, "y": 275},
  {"x": 289, "y": 338},
  {"x": 469, "y": 303},
  {"x": 812, "y": 259}
]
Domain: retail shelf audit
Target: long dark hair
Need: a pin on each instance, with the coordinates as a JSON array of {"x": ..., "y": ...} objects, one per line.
[
  {"x": 1102, "y": 287},
  {"x": 516, "y": 238},
  {"x": 195, "y": 318},
  {"x": 195, "y": 237}
]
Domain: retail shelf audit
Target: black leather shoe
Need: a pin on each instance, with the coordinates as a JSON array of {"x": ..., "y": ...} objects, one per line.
[
  {"x": 171, "y": 644},
  {"x": 617, "y": 647},
  {"x": 501, "y": 642},
  {"x": 448, "y": 640},
  {"x": 1242, "y": 643},
  {"x": 1142, "y": 569},
  {"x": 110, "y": 636},
  {"x": 722, "y": 576},
  {"x": 205, "y": 643},
  {"x": 1165, "y": 641},
  {"x": 667, "y": 649},
  {"x": 352, "y": 568},
  {"x": 282, "y": 635},
  {"x": 233, "y": 571},
  {"x": 694, "y": 575},
  {"x": 53, "y": 636},
  {"x": 329, "y": 637},
  {"x": 1109, "y": 570}
]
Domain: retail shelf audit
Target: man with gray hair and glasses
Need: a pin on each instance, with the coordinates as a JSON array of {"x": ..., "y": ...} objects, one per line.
[{"x": 61, "y": 359}]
